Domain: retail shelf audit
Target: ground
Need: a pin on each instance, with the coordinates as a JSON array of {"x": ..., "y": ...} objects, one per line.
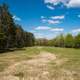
[{"x": 40, "y": 63}]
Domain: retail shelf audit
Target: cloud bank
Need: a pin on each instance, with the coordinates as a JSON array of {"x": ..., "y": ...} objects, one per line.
[
  {"x": 76, "y": 30},
  {"x": 42, "y": 28},
  {"x": 52, "y": 19},
  {"x": 67, "y": 3},
  {"x": 49, "y": 29}
]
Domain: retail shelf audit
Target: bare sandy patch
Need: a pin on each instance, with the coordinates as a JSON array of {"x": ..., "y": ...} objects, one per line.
[{"x": 61, "y": 61}]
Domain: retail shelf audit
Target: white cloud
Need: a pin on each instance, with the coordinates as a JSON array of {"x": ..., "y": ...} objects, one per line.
[
  {"x": 51, "y": 1},
  {"x": 42, "y": 28},
  {"x": 58, "y": 17},
  {"x": 38, "y": 35},
  {"x": 53, "y": 22},
  {"x": 44, "y": 35},
  {"x": 42, "y": 17},
  {"x": 50, "y": 7},
  {"x": 76, "y": 30},
  {"x": 44, "y": 20},
  {"x": 16, "y": 18},
  {"x": 49, "y": 28},
  {"x": 79, "y": 16},
  {"x": 52, "y": 19},
  {"x": 74, "y": 3},
  {"x": 54, "y": 2},
  {"x": 67, "y": 3},
  {"x": 57, "y": 29}
]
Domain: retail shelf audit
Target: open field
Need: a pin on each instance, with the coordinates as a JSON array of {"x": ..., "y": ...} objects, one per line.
[
  {"x": 40, "y": 63},
  {"x": 9, "y": 58}
]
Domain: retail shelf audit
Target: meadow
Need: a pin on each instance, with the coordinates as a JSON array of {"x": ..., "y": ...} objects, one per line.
[{"x": 55, "y": 63}]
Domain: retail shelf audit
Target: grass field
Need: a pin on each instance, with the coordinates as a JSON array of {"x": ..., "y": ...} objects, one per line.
[
  {"x": 73, "y": 56},
  {"x": 8, "y": 58},
  {"x": 66, "y": 65},
  {"x": 70, "y": 60}
]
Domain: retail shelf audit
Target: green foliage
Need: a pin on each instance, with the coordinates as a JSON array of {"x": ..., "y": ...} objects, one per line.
[
  {"x": 69, "y": 41},
  {"x": 42, "y": 42},
  {"x": 59, "y": 41},
  {"x": 29, "y": 39},
  {"x": 77, "y": 41},
  {"x": 2, "y": 41}
]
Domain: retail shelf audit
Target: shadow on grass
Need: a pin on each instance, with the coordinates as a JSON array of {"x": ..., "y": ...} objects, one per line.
[{"x": 11, "y": 50}]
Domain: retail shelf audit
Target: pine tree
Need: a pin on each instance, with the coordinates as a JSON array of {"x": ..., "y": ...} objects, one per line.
[
  {"x": 8, "y": 25},
  {"x": 19, "y": 36},
  {"x": 2, "y": 34},
  {"x": 29, "y": 39},
  {"x": 11, "y": 34}
]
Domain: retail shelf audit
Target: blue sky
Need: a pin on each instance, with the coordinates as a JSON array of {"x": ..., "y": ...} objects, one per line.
[{"x": 46, "y": 18}]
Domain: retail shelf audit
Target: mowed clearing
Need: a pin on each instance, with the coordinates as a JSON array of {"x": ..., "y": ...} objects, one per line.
[{"x": 39, "y": 63}]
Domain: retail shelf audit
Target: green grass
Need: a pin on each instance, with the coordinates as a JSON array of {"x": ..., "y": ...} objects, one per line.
[
  {"x": 73, "y": 59},
  {"x": 73, "y": 56},
  {"x": 9, "y": 58}
]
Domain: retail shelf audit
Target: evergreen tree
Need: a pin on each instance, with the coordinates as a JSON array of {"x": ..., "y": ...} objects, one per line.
[
  {"x": 12, "y": 35},
  {"x": 2, "y": 34},
  {"x": 29, "y": 39},
  {"x": 8, "y": 25},
  {"x": 19, "y": 36}
]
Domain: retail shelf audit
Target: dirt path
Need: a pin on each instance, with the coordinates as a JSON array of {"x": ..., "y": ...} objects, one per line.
[{"x": 35, "y": 69}]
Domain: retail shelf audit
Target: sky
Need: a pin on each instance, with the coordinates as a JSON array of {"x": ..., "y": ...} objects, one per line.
[{"x": 46, "y": 18}]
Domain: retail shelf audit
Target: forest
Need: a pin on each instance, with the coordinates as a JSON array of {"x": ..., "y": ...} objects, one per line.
[
  {"x": 67, "y": 41},
  {"x": 12, "y": 35}
]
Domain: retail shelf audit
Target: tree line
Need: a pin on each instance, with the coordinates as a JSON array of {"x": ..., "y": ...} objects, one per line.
[
  {"x": 12, "y": 35},
  {"x": 67, "y": 41}
]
